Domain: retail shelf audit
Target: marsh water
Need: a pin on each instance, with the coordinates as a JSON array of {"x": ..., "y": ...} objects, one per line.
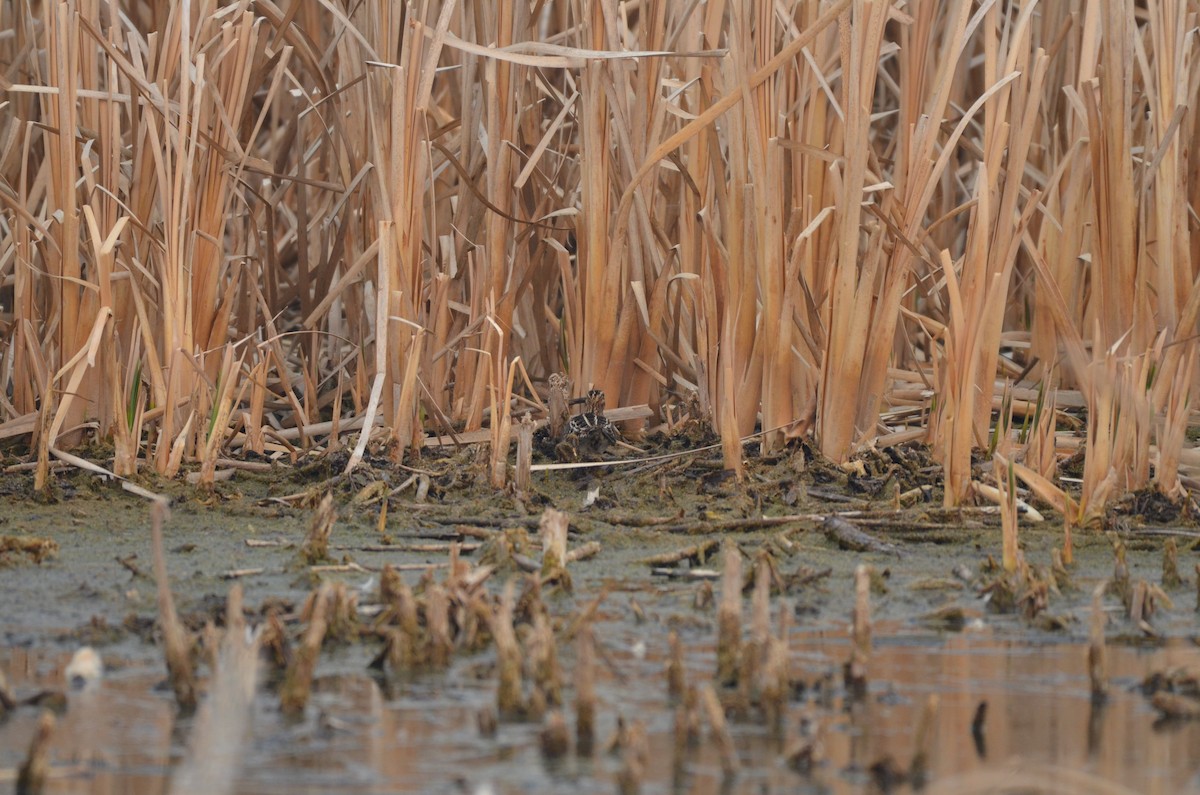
[{"x": 365, "y": 732}]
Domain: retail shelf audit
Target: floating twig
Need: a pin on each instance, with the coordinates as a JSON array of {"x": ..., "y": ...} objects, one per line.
[
  {"x": 234, "y": 574},
  {"x": 696, "y": 553}
]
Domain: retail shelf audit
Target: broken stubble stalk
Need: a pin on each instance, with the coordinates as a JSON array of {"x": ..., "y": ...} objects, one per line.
[
  {"x": 675, "y": 671},
  {"x": 553, "y": 526},
  {"x": 555, "y": 737},
  {"x": 754, "y": 654},
  {"x": 31, "y": 777},
  {"x": 176, "y": 647},
  {"x": 729, "y": 615},
  {"x": 918, "y": 769},
  {"x": 542, "y": 651},
  {"x": 860, "y": 653},
  {"x": 297, "y": 682},
  {"x": 523, "y": 475},
  {"x": 635, "y": 751},
  {"x": 437, "y": 622},
  {"x": 508, "y": 654},
  {"x": 316, "y": 544},
  {"x": 776, "y": 680},
  {"x": 585, "y": 690},
  {"x": 1170, "y": 565},
  {"x": 730, "y": 764},
  {"x": 1097, "y": 664}
]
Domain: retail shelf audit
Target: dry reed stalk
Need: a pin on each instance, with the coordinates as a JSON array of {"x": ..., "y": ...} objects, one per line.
[
  {"x": 729, "y": 615},
  {"x": 297, "y": 680},
  {"x": 176, "y": 645},
  {"x": 1006, "y": 483},
  {"x": 1173, "y": 430}
]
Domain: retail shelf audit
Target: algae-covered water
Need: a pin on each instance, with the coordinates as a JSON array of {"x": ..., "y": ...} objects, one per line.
[{"x": 418, "y": 731}]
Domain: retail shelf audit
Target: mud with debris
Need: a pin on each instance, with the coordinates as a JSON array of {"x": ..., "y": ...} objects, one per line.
[{"x": 414, "y": 658}]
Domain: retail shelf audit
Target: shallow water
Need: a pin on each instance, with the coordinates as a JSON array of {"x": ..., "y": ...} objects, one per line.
[{"x": 122, "y": 735}]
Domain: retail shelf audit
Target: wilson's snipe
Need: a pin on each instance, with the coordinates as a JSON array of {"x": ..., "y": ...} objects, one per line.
[{"x": 587, "y": 434}]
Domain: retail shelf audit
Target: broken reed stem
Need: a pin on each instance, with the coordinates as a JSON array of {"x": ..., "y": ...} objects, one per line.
[
  {"x": 729, "y": 615},
  {"x": 1096, "y": 659},
  {"x": 176, "y": 646},
  {"x": 711, "y": 703},
  {"x": 31, "y": 777},
  {"x": 585, "y": 689},
  {"x": 297, "y": 681}
]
